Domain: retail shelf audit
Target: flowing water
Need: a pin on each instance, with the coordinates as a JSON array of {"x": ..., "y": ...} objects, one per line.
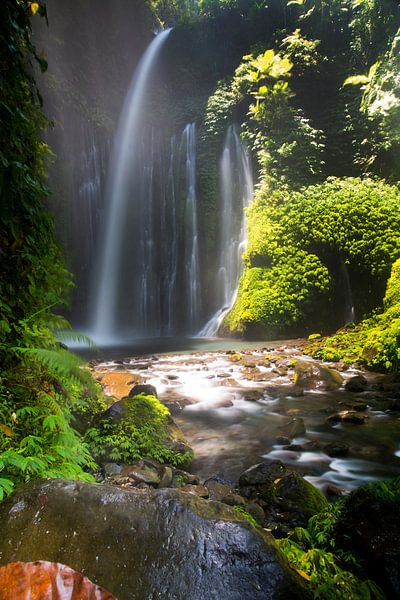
[
  {"x": 236, "y": 191},
  {"x": 122, "y": 189},
  {"x": 234, "y": 410}
]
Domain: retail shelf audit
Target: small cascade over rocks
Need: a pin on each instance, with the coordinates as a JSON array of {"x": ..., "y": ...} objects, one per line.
[{"x": 236, "y": 191}]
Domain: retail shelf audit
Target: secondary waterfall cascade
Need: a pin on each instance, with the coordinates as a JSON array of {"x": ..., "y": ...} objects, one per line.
[
  {"x": 192, "y": 269},
  {"x": 236, "y": 191}
]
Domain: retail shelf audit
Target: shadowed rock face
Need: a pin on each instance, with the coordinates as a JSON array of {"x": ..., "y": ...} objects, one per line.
[{"x": 144, "y": 544}]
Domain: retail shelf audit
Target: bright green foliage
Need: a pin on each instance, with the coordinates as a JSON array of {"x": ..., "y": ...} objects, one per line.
[
  {"x": 143, "y": 432},
  {"x": 327, "y": 580},
  {"x": 298, "y": 244},
  {"x": 313, "y": 553},
  {"x": 286, "y": 144},
  {"x": 240, "y": 510}
]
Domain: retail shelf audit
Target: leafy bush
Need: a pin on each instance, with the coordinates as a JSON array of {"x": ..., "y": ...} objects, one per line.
[
  {"x": 41, "y": 384},
  {"x": 141, "y": 432},
  {"x": 327, "y": 569}
]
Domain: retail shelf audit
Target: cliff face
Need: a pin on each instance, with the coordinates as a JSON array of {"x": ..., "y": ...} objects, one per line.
[{"x": 92, "y": 49}]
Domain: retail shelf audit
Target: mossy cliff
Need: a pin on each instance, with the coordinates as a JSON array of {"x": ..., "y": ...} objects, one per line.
[{"x": 308, "y": 249}]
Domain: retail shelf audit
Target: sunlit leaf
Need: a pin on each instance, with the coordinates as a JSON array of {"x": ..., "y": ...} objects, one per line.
[
  {"x": 33, "y": 8},
  {"x": 6, "y": 430},
  {"x": 356, "y": 80}
]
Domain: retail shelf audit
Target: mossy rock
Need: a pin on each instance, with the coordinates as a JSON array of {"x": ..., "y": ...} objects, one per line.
[
  {"x": 138, "y": 427},
  {"x": 296, "y": 495}
]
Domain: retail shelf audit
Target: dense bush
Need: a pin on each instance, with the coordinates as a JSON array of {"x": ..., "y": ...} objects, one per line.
[
  {"x": 41, "y": 384},
  {"x": 143, "y": 431}
]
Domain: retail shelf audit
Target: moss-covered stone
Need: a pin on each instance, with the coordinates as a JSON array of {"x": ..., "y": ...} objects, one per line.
[
  {"x": 138, "y": 427},
  {"x": 305, "y": 248}
]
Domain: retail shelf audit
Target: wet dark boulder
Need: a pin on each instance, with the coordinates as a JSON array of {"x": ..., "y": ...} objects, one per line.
[
  {"x": 369, "y": 528},
  {"x": 285, "y": 494},
  {"x": 356, "y": 384},
  {"x": 262, "y": 474},
  {"x": 146, "y": 543},
  {"x": 145, "y": 389},
  {"x": 347, "y": 416}
]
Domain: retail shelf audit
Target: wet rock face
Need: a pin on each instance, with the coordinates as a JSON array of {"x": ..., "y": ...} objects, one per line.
[
  {"x": 43, "y": 579},
  {"x": 288, "y": 499},
  {"x": 145, "y": 543}
]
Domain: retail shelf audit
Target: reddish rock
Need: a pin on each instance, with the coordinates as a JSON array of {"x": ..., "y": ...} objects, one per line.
[{"x": 43, "y": 579}]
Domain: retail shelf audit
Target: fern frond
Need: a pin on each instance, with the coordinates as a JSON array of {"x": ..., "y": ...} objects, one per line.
[
  {"x": 67, "y": 335},
  {"x": 60, "y": 362}
]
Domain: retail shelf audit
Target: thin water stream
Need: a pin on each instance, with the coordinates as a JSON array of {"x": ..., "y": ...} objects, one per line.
[{"x": 236, "y": 410}]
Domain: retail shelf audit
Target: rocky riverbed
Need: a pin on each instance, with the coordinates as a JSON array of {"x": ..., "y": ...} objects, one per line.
[{"x": 336, "y": 425}]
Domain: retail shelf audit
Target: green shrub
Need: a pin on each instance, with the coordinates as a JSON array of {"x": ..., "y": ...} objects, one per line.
[{"x": 142, "y": 432}]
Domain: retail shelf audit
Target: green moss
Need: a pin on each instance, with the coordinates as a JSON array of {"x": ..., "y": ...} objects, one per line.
[
  {"x": 143, "y": 431},
  {"x": 299, "y": 244}
]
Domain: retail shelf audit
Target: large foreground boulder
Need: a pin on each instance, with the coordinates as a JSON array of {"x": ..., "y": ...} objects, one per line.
[{"x": 145, "y": 543}]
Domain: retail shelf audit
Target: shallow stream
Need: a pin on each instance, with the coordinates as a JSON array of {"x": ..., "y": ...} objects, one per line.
[{"x": 235, "y": 408}]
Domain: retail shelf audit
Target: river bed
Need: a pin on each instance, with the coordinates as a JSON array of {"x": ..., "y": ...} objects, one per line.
[{"x": 236, "y": 408}]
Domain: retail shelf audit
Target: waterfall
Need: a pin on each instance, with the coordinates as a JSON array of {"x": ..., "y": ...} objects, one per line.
[
  {"x": 191, "y": 270},
  {"x": 122, "y": 191},
  {"x": 236, "y": 191}
]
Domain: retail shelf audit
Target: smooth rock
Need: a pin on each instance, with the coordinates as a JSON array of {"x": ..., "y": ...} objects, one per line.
[
  {"x": 217, "y": 490},
  {"x": 262, "y": 473},
  {"x": 144, "y": 389},
  {"x": 310, "y": 374},
  {"x": 356, "y": 384},
  {"x": 336, "y": 449},
  {"x": 166, "y": 477},
  {"x": 141, "y": 473},
  {"x": 42, "y": 580},
  {"x": 256, "y": 512},
  {"x": 293, "y": 428},
  {"x": 347, "y": 416},
  {"x": 233, "y": 500},
  {"x": 146, "y": 543},
  {"x": 112, "y": 469},
  {"x": 197, "y": 490}
]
